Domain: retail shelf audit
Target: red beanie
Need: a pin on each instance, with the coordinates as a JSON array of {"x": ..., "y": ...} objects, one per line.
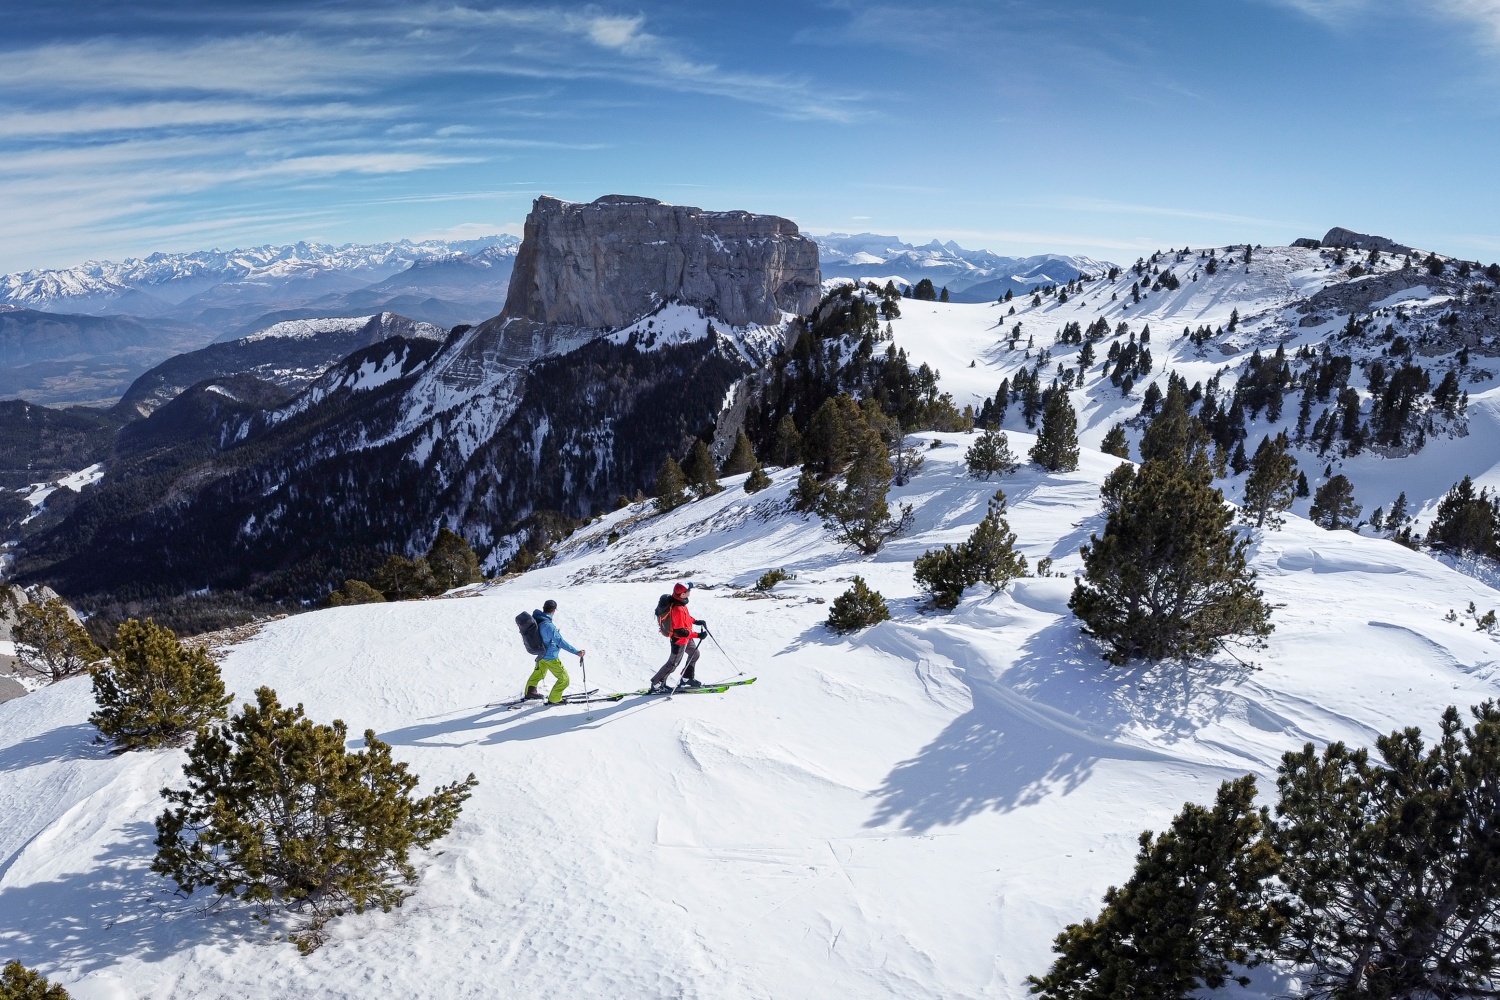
[{"x": 679, "y": 591}]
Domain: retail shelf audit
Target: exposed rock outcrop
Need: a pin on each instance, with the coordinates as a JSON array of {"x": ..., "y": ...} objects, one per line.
[
  {"x": 584, "y": 269},
  {"x": 1350, "y": 240}
]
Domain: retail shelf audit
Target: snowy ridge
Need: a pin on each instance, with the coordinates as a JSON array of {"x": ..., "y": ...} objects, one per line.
[
  {"x": 912, "y": 811},
  {"x": 866, "y": 255},
  {"x": 159, "y": 273}
]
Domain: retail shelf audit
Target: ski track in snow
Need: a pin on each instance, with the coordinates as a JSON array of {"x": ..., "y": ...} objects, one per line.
[{"x": 915, "y": 810}]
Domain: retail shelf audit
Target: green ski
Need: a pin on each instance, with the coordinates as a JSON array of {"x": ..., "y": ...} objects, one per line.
[{"x": 718, "y": 688}]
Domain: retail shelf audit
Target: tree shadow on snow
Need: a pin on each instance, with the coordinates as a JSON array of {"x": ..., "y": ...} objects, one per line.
[
  {"x": 63, "y": 743},
  {"x": 1040, "y": 728},
  {"x": 116, "y": 909}
]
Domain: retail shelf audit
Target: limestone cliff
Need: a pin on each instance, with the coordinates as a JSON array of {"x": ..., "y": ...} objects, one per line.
[{"x": 584, "y": 269}]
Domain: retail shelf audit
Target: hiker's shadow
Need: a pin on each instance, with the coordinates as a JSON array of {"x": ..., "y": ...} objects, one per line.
[
  {"x": 500, "y": 725},
  {"x": 116, "y": 909}
]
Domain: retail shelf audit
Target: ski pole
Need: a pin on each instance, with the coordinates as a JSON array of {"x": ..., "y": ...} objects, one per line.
[
  {"x": 585, "y": 668},
  {"x": 736, "y": 666}
]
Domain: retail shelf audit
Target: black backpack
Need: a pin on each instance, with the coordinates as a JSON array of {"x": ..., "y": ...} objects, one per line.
[
  {"x": 531, "y": 633},
  {"x": 663, "y": 611}
]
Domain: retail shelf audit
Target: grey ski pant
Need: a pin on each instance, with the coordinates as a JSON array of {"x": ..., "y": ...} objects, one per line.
[{"x": 691, "y": 648}]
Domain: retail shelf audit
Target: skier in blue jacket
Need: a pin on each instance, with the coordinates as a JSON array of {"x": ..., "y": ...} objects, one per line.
[{"x": 551, "y": 659}]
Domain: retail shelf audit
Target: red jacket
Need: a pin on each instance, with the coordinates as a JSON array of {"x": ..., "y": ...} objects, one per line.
[{"x": 680, "y": 620}]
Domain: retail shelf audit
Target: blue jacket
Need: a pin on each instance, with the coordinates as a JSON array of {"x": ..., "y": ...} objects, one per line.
[{"x": 551, "y": 637}]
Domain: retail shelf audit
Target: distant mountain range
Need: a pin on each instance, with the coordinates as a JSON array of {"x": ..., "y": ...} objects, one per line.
[
  {"x": 969, "y": 275},
  {"x": 83, "y": 334}
]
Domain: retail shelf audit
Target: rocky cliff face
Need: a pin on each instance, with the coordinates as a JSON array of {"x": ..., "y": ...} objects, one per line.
[
  {"x": 584, "y": 269},
  {"x": 605, "y": 264}
]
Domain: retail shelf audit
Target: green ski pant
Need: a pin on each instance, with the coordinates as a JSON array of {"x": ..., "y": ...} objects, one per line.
[{"x": 555, "y": 667}]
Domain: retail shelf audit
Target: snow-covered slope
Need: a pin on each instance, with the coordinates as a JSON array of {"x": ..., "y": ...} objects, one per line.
[
  {"x": 1288, "y": 297},
  {"x": 914, "y": 811}
]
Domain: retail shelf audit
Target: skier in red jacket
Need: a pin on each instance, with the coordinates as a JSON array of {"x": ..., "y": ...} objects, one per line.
[{"x": 680, "y": 622}]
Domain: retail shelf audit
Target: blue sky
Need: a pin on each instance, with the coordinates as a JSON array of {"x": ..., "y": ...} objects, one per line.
[{"x": 1095, "y": 128}]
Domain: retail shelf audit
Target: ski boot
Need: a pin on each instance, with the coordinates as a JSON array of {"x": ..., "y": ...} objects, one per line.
[{"x": 533, "y": 695}]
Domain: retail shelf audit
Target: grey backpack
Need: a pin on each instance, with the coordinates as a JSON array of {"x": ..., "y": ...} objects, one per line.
[{"x": 531, "y": 633}]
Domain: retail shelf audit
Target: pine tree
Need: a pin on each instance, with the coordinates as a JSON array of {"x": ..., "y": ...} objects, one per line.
[
  {"x": 1398, "y": 515},
  {"x": 1115, "y": 443},
  {"x": 787, "y": 449},
  {"x": 1392, "y": 869},
  {"x": 700, "y": 472},
  {"x": 452, "y": 561},
  {"x": 1333, "y": 506},
  {"x": 989, "y": 555},
  {"x": 1272, "y": 484},
  {"x": 990, "y": 455},
  {"x": 741, "y": 458},
  {"x": 826, "y": 444},
  {"x": 1192, "y": 913},
  {"x": 277, "y": 812},
  {"x": 943, "y": 296},
  {"x": 856, "y": 608},
  {"x": 1169, "y": 576},
  {"x": 50, "y": 644},
  {"x": 20, "y": 983},
  {"x": 1174, "y": 432},
  {"x": 809, "y": 490},
  {"x": 858, "y": 514},
  {"x": 403, "y": 579},
  {"x": 153, "y": 691},
  {"x": 1056, "y": 448},
  {"x": 1302, "y": 490},
  {"x": 1465, "y": 521},
  {"x": 757, "y": 480},
  {"x": 1238, "y": 460},
  {"x": 991, "y": 549},
  {"x": 671, "y": 486},
  {"x": 355, "y": 592}
]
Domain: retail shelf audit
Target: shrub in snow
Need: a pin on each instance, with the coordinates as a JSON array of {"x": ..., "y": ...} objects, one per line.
[
  {"x": 1168, "y": 578},
  {"x": 856, "y": 608},
  {"x": 1193, "y": 910},
  {"x": 278, "y": 813},
  {"x": 988, "y": 555},
  {"x": 403, "y": 579},
  {"x": 1392, "y": 868},
  {"x": 990, "y": 455},
  {"x": 153, "y": 691},
  {"x": 355, "y": 592},
  {"x": 757, "y": 480},
  {"x": 50, "y": 644},
  {"x": 671, "y": 486},
  {"x": 858, "y": 514},
  {"x": 452, "y": 561},
  {"x": 1333, "y": 506},
  {"x": 1056, "y": 448},
  {"x": 1376, "y": 878},
  {"x": 771, "y": 578},
  {"x": 20, "y": 983}
]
